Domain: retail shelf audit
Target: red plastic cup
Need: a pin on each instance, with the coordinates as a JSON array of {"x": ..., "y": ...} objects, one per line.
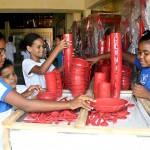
[
  {"x": 101, "y": 47},
  {"x": 98, "y": 77},
  {"x": 50, "y": 78},
  {"x": 116, "y": 64},
  {"x": 106, "y": 70},
  {"x": 68, "y": 37},
  {"x": 104, "y": 90}
]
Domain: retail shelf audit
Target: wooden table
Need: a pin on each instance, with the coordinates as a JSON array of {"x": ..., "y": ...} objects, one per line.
[{"x": 26, "y": 136}]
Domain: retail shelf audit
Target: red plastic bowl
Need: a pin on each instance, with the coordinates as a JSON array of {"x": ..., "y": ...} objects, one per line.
[
  {"x": 126, "y": 70},
  {"x": 46, "y": 96},
  {"x": 79, "y": 62},
  {"x": 109, "y": 104}
]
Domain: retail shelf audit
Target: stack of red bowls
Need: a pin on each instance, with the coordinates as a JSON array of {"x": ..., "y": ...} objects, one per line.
[
  {"x": 126, "y": 75},
  {"x": 67, "y": 59},
  {"x": 80, "y": 76}
]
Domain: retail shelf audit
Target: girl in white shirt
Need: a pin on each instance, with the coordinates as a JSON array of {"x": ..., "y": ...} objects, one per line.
[{"x": 35, "y": 67}]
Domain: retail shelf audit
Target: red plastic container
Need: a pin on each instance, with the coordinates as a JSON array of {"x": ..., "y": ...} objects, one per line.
[
  {"x": 116, "y": 64},
  {"x": 50, "y": 78},
  {"x": 79, "y": 62},
  {"x": 108, "y": 105},
  {"x": 47, "y": 96},
  {"x": 104, "y": 90}
]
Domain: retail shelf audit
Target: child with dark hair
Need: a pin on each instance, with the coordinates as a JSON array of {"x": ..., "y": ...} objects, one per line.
[
  {"x": 142, "y": 61},
  {"x": 7, "y": 73},
  {"x": 35, "y": 67}
]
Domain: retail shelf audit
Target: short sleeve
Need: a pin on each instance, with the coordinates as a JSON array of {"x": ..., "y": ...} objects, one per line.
[
  {"x": 27, "y": 65},
  {"x": 4, "y": 90},
  {"x": 51, "y": 68}
]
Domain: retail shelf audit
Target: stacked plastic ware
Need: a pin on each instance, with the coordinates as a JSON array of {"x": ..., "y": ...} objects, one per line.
[
  {"x": 67, "y": 59},
  {"x": 51, "y": 82},
  {"x": 116, "y": 64},
  {"x": 101, "y": 47},
  {"x": 107, "y": 48},
  {"x": 126, "y": 75},
  {"x": 54, "y": 82},
  {"x": 79, "y": 76},
  {"x": 51, "y": 87},
  {"x": 58, "y": 83},
  {"x": 98, "y": 77}
]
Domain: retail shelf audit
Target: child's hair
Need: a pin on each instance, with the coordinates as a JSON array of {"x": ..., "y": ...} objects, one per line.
[
  {"x": 59, "y": 36},
  {"x": 10, "y": 39},
  {"x": 2, "y": 36},
  {"x": 6, "y": 64},
  {"x": 145, "y": 37},
  {"x": 28, "y": 40}
]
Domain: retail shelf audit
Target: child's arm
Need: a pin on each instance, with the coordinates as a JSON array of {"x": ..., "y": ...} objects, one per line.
[
  {"x": 31, "y": 90},
  {"x": 19, "y": 101},
  {"x": 129, "y": 57},
  {"x": 141, "y": 91},
  {"x": 61, "y": 69},
  {"x": 45, "y": 66}
]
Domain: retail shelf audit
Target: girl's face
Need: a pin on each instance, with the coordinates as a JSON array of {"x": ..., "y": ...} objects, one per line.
[
  {"x": 2, "y": 52},
  {"x": 36, "y": 49},
  {"x": 144, "y": 54},
  {"x": 9, "y": 76}
]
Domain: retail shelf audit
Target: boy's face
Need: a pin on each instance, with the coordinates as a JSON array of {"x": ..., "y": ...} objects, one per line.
[
  {"x": 144, "y": 54},
  {"x": 9, "y": 76}
]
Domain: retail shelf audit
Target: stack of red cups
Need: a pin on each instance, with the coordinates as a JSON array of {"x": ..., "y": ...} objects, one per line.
[
  {"x": 98, "y": 77},
  {"x": 101, "y": 47},
  {"x": 80, "y": 76},
  {"x": 116, "y": 64},
  {"x": 107, "y": 48},
  {"x": 51, "y": 84},
  {"x": 67, "y": 59},
  {"x": 126, "y": 75},
  {"x": 54, "y": 83}
]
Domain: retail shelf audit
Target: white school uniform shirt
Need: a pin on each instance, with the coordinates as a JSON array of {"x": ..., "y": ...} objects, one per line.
[
  {"x": 10, "y": 50},
  {"x": 32, "y": 78}
]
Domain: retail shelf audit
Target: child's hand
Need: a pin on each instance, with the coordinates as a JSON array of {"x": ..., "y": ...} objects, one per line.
[
  {"x": 34, "y": 88},
  {"x": 93, "y": 60},
  {"x": 81, "y": 101},
  {"x": 61, "y": 69},
  {"x": 140, "y": 91},
  {"x": 63, "y": 44}
]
